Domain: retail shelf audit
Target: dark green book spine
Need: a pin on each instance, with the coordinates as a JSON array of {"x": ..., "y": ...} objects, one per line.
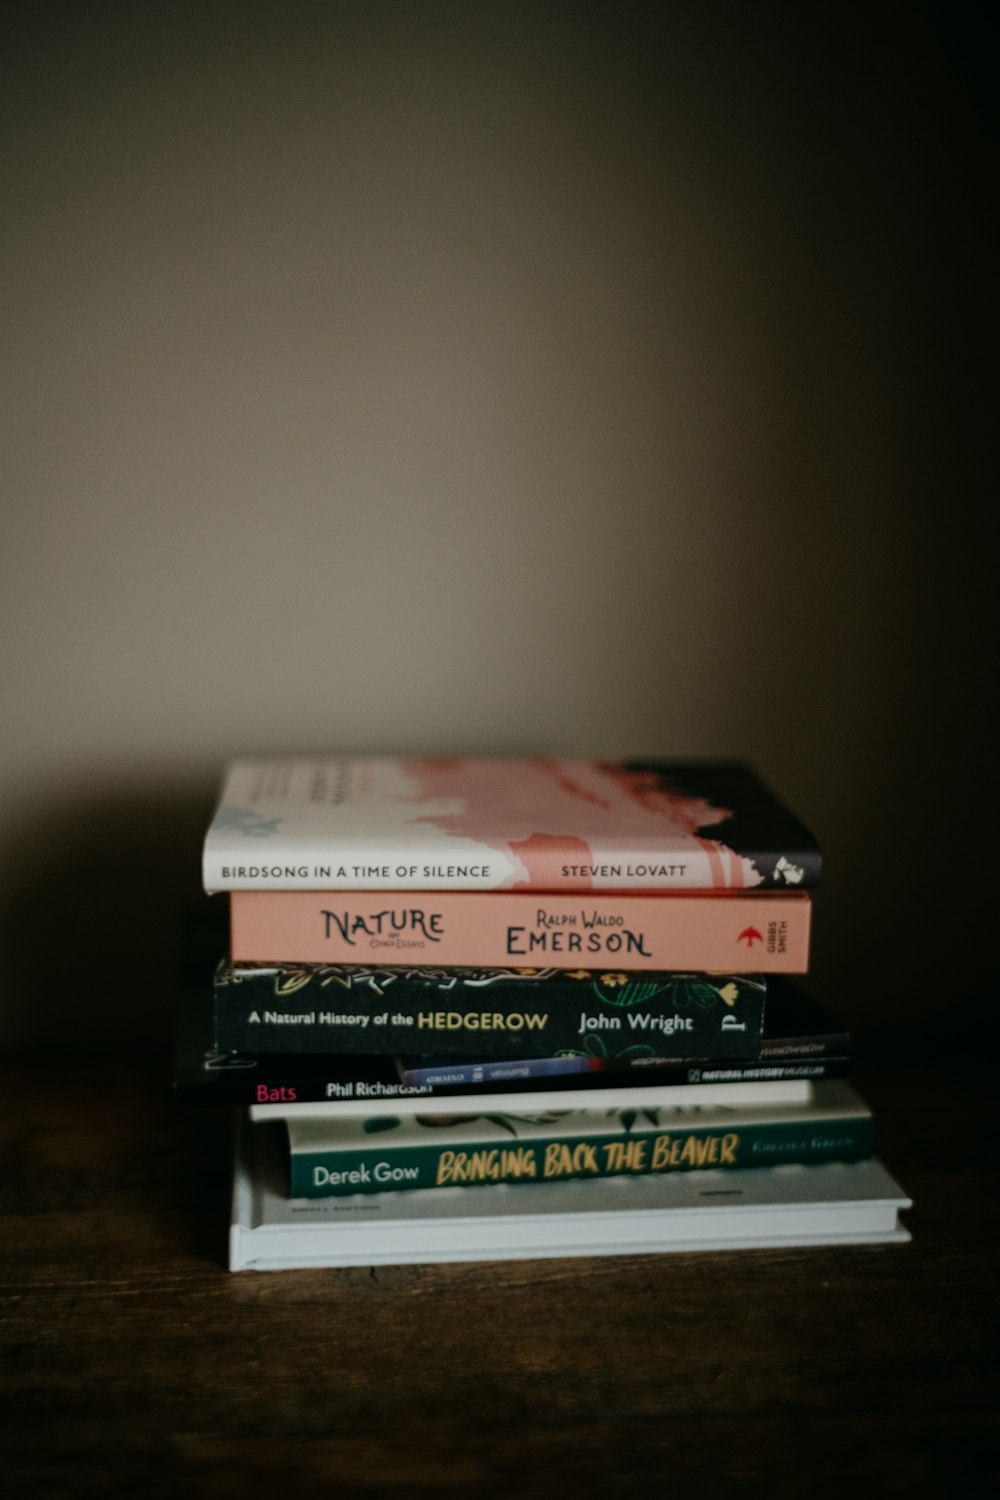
[{"x": 318, "y": 1173}]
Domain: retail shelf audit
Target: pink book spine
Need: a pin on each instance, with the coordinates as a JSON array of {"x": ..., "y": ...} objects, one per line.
[{"x": 733, "y": 934}]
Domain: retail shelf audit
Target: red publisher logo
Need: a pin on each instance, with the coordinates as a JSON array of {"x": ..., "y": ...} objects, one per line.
[{"x": 749, "y": 935}]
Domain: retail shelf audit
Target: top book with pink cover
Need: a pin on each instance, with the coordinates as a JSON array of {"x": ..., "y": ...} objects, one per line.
[{"x": 383, "y": 823}]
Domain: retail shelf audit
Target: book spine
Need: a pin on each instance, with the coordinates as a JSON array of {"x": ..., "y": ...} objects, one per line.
[
  {"x": 243, "y": 1080},
  {"x": 609, "y": 1014},
  {"x": 550, "y": 1093},
  {"x": 388, "y": 823},
  {"x": 395, "y": 868},
  {"x": 724, "y": 933},
  {"x": 830, "y": 1044},
  {"x": 638, "y": 1152},
  {"x": 471, "y": 1075}
]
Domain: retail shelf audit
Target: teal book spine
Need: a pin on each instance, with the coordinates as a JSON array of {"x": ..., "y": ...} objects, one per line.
[{"x": 519, "y": 1151}]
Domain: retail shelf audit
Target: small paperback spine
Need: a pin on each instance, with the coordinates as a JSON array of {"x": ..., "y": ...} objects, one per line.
[
  {"x": 466, "y": 1074},
  {"x": 372, "y": 1155},
  {"x": 502, "y": 1013},
  {"x": 361, "y": 1097},
  {"x": 682, "y": 933},
  {"x": 220, "y": 1078}
]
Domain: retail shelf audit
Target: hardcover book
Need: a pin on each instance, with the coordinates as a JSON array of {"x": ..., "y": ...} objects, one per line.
[
  {"x": 358, "y": 1093},
  {"x": 838, "y": 1203},
  {"x": 504, "y": 1013},
  {"x": 427, "y": 1151},
  {"x": 725, "y": 932},
  {"x": 801, "y": 1044},
  {"x": 381, "y": 823}
]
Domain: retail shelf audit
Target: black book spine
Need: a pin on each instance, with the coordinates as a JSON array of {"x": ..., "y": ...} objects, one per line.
[{"x": 490, "y": 1012}]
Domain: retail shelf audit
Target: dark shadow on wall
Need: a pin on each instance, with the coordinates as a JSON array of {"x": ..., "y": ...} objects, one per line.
[{"x": 91, "y": 916}]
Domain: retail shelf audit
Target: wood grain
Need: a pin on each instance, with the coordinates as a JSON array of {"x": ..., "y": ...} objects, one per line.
[{"x": 134, "y": 1363}]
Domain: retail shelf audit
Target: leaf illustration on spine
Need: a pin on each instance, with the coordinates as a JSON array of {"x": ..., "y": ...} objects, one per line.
[
  {"x": 635, "y": 993},
  {"x": 346, "y": 981},
  {"x": 689, "y": 991},
  {"x": 628, "y": 1117},
  {"x": 594, "y": 1045},
  {"x": 287, "y": 981},
  {"x": 509, "y": 1122}
]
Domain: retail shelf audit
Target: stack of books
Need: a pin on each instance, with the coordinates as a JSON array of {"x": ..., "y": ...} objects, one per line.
[{"x": 500, "y": 1008}]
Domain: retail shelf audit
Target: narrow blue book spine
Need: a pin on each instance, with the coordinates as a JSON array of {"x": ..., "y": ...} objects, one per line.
[{"x": 498, "y": 1071}]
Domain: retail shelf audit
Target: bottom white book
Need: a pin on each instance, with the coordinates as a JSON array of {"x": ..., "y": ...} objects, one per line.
[{"x": 837, "y": 1203}]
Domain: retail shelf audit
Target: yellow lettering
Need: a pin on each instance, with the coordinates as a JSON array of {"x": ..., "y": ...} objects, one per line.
[
  {"x": 585, "y": 1158},
  {"x": 614, "y": 1152},
  {"x": 519, "y": 1162},
  {"x": 482, "y": 1165},
  {"x": 689, "y": 1151},
  {"x": 446, "y": 1161},
  {"x": 635, "y": 1156},
  {"x": 555, "y": 1159}
]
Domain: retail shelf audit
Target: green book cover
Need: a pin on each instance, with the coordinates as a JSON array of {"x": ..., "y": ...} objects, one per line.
[{"x": 370, "y": 1155}]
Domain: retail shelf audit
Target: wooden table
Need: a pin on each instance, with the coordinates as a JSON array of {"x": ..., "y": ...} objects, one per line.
[{"x": 134, "y": 1363}]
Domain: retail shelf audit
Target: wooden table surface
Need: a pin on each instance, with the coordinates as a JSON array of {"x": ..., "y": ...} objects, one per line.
[{"x": 135, "y": 1363}]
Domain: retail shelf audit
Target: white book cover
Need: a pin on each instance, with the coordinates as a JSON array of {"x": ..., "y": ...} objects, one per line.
[
  {"x": 833, "y": 1204},
  {"x": 490, "y": 823},
  {"x": 361, "y": 1098}
]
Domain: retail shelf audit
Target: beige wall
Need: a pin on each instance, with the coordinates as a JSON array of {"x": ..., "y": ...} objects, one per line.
[{"x": 470, "y": 377}]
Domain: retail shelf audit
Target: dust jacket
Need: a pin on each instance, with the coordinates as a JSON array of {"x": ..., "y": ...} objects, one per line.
[
  {"x": 836, "y": 1203},
  {"x": 480, "y": 824},
  {"x": 426, "y": 1151}
]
